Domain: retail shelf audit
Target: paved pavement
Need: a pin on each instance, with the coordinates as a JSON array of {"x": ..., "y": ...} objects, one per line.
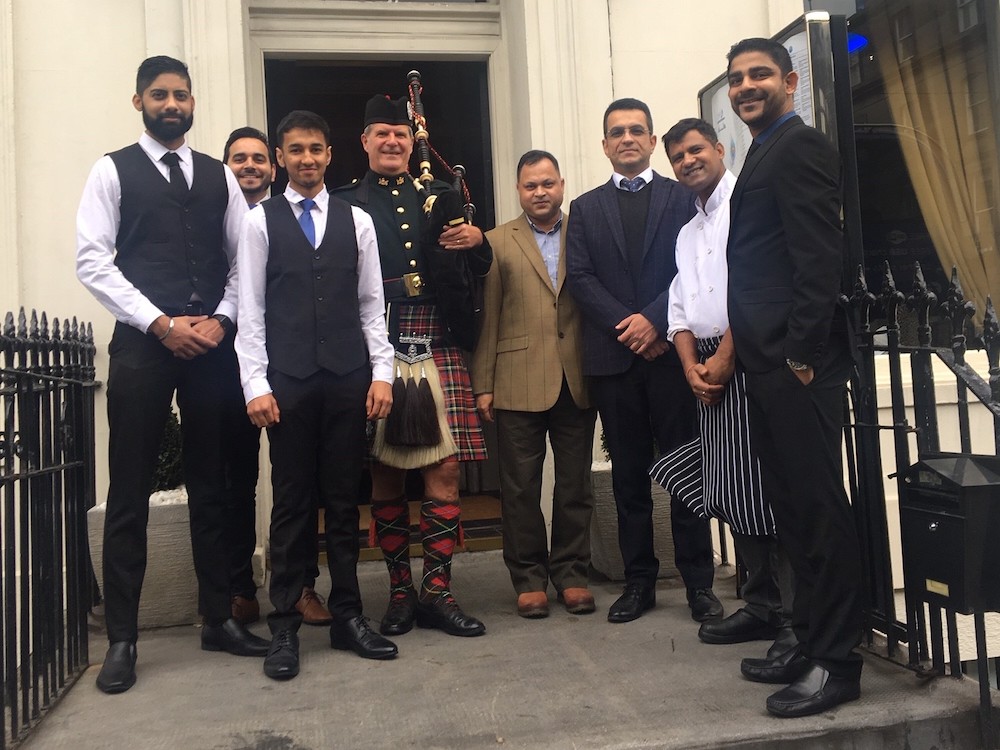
[{"x": 562, "y": 682}]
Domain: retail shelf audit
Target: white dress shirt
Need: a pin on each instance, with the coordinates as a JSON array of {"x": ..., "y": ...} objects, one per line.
[
  {"x": 251, "y": 339},
  {"x": 97, "y": 223},
  {"x": 698, "y": 291}
]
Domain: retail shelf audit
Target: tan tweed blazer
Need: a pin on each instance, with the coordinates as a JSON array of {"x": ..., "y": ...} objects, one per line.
[{"x": 531, "y": 332}]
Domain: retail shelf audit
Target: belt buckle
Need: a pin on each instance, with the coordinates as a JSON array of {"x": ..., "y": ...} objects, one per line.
[{"x": 413, "y": 284}]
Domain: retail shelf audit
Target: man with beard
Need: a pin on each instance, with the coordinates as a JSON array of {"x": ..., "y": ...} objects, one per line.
[
  {"x": 248, "y": 154},
  {"x": 157, "y": 248},
  {"x": 786, "y": 254}
]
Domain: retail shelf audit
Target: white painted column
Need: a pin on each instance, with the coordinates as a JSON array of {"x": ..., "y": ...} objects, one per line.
[{"x": 10, "y": 251}]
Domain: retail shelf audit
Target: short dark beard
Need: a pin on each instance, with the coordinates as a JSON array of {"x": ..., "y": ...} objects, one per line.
[{"x": 167, "y": 131}]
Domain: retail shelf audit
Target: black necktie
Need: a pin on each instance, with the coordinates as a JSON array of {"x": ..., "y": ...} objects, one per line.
[
  {"x": 753, "y": 148},
  {"x": 177, "y": 181}
]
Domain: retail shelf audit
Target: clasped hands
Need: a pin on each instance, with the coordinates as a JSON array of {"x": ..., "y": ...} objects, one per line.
[
  {"x": 641, "y": 337},
  {"x": 708, "y": 379}
]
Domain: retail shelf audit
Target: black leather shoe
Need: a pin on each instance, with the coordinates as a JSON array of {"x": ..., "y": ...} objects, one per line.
[
  {"x": 785, "y": 668},
  {"x": 739, "y": 627},
  {"x": 282, "y": 660},
  {"x": 636, "y": 599},
  {"x": 445, "y": 614},
  {"x": 704, "y": 604},
  {"x": 814, "y": 692},
  {"x": 357, "y": 635},
  {"x": 232, "y": 637},
  {"x": 118, "y": 673},
  {"x": 399, "y": 616}
]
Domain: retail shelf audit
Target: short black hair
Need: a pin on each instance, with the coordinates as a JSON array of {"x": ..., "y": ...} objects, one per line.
[
  {"x": 534, "y": 156},
  {"x": 304, "y": 119},
  {"x": 628, "y": 103},
  {"x": 153, "y": 67},
  {"x": 247, "y": 132},
  {"x": 775, "y": 50},
  {"x": 683, "y": 127}
]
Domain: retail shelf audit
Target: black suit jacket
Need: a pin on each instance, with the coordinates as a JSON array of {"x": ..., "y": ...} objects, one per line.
[
  {"x": 786, "y": 249},
  {"x": 598, "y": 270}
]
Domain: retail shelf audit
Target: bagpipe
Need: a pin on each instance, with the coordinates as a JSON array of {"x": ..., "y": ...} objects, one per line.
[{"x": 417, "y": 420}]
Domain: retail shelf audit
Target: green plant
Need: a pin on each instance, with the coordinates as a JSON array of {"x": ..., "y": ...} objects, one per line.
[{"x": 169, "y": 473}]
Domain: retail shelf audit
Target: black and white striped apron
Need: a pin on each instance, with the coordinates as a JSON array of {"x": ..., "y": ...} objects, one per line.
[{"x": 716, "y": 475}]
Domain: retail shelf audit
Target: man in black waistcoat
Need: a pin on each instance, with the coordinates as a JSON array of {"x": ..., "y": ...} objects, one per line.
[
  {"x": 620, "y": 262},
  {"x": 315, "y": 363},
  {"x": 248, "y": 154},
  {"x": 157, "y": 231}
]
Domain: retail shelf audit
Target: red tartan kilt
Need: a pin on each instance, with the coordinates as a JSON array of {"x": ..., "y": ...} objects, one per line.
[{"x": 459, "y": 403}]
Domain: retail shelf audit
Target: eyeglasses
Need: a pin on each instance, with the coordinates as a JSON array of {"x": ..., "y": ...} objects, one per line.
[{"x": 636, "y": 131}]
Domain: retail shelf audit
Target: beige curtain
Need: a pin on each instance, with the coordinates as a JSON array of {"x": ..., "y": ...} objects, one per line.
[{"x": 953, "y": 171}]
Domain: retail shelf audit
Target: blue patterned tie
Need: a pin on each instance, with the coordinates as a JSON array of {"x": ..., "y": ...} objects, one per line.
[
  {"x": 634, "y": 185},
  {"x": 306, "y": 220}
]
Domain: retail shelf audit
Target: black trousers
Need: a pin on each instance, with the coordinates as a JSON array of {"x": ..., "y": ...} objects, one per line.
[
  {"x": 319, "y": 442},
  {"x": 651, "y": 401},
  {"x": 797, "y": 431},
  {"x": 521, "y": 447},
  {"x": 143, "y": 377},
  {"x": 241, "y": 448}
]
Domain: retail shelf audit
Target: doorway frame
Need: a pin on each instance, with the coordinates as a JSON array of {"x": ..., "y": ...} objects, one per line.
[{"x": 360, "y": 31}]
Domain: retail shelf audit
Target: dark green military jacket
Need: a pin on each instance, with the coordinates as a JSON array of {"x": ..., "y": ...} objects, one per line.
[{"x": 397, "y": 211}]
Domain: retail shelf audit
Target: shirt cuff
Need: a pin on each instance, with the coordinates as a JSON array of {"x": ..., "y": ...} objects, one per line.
[
  {"x": 144, "y": 317},
  {"x": 255, "y": 389}
]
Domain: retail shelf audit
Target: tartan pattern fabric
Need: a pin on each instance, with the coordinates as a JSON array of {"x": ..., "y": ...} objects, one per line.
[
  {"x": 460, "y": 404},
  {"x": 391, "y": 527},
  {"x": 439, "y": 525}
]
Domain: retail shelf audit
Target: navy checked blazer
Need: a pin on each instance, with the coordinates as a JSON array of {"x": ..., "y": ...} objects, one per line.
[{"x": 598, "y": 270}]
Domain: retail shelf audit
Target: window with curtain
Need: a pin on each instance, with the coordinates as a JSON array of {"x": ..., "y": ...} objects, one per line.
[{"x": 926, "y": 83}]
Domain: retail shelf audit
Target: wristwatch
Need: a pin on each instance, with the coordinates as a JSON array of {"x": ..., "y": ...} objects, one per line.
[
  {"x": 797, "y": 366},
  {"x": 224, "y": 321}
]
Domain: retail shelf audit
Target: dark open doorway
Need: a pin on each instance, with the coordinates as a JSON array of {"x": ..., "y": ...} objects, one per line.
[{"x": 456, "y": 102}]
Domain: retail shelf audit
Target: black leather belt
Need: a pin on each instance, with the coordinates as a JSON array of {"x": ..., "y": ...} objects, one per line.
[
  {"x": 406, "y": 286},
  {"x": 195, "y": 307}
]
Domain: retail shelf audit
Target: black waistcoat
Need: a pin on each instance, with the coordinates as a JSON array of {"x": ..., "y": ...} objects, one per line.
[
  {"x": 170, "y": 248},
  {"x": 312, "y": 317}
]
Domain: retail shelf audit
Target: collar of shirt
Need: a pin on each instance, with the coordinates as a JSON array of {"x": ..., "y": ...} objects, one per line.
[
  {"x": 769, "y": 130},
  {"x": 555, "y": 228},
  {"x": 646, "y": 174},
  {"x": 719, "y": 196},
  {"x": 294, "y": 197},
  {"x": 155, "y": 150}
]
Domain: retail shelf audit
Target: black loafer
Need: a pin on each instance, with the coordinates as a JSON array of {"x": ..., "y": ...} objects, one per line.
[
  {"x": 704, "y": 604},
  {"x": 399, "y": 616},
  {"x": 282, "y": 660},
  {"x": 739, "y": 627},
  {"x": 445, "y": 614},
  {"x": 785, "y": 668},
  {"x": 357, "y": 635},
  {"x": 636, "y": 599},
  {"x": 814, "y": 692},
  {"x": 233, "y": 637},
  {"x": 118, "y": 673}
]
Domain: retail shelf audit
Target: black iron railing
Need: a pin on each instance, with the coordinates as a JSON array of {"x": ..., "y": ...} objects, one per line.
[
  {"x": 915, "y": 330},
  {"x": 46, "y": 486}
]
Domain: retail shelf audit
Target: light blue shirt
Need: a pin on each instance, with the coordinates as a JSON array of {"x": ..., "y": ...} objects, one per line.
[{"x": 548, "y": 244}]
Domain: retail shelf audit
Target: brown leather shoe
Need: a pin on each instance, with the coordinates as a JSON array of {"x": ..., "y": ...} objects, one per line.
[
  {"x": 245, "y": 610},
  {"x": 310, "y": 604},
  {"x": 578, "y": 600},
  {"x": 533, "y": 604}
]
